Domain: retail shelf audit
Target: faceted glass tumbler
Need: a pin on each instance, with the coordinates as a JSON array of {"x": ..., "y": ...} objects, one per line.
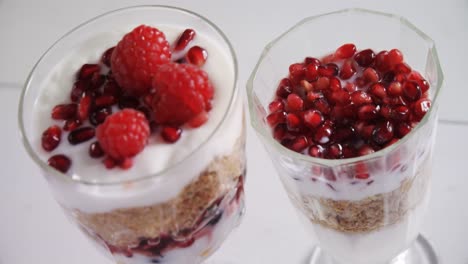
[
  {"x": 181, "y": 214},
  {"x": 364, "y": 210}
]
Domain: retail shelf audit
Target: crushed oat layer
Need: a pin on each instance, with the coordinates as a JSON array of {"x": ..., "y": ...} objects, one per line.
[
  {"x": 127, "y": 226},
  {"x": 368, "y": 214}
]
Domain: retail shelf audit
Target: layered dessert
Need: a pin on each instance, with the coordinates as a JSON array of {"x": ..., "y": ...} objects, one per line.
[
  {"x": 347, "y": 106},
  {"x": 146, "y": 123}
]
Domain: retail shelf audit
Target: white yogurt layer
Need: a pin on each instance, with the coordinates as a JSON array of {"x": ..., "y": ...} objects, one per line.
[{"x": 158, "y": 155}]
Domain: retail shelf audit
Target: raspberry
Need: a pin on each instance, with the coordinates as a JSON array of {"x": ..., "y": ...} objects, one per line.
[
  {"x": 182, "y": 91},
  {"x": 123, "y": 134},
  {"x": 137, "y": 56}
]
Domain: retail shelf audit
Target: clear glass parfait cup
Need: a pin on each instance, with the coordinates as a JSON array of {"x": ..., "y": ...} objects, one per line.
[
  {"x": 181, "y": 214},
  {"x": 354, "y": 219}
]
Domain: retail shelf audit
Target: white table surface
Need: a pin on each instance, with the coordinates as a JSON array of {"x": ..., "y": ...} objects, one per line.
[{"x": 34, "y": 230}]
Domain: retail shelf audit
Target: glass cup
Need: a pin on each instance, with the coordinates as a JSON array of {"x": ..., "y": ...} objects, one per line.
[
  {"x": 364, "y": 210},
  {"x": 179, "y": 215}
]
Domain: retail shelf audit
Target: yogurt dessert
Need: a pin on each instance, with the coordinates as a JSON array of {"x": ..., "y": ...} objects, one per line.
[
  {"x": 346, "y": 105},
  {"x": 149, "y": 119}
]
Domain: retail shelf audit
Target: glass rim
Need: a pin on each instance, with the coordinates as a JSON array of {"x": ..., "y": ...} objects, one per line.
[
  {"x": 95, "y": 182},
  {"x": 265, "y": 133}
]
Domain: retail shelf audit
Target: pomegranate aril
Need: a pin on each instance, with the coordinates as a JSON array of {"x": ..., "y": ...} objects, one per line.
[
  {"x": 420, "y": 108},
  {"x": 276, "y": 118},
  {"x": 386, "y": 112},
  {"x": 402, "y": 68},
  {"x": 51, "y": 138},
  {"x": 343, "y": 133},
  {"x": 284, "y": 88},
  {"x": 84, "y": 107},
  {"x": 322, "y": 83},
  {"x": 293, "y": 121},
  {"x": 365, "y": 58},
  {"x": 348, "y": 152},
  {"x": 64, "y": 111},
  {"x": 297, "y": 71},
  {"x": 105, "y": 100},
  {"x": 383, "y": 133},
  {"x": 335, "y": 84},
  {"x": 99, "y": 115},
  {"x": 412, "y": 91},
  {"x": 96, "y": 81},
  {"x": 71, "y": 124},
  {"x": 395, "y": 89},
  {"x": 367, "y": 112},
  {"x": 307, "y": 86},
  {"x": 111, "y": 88},
  {"x": 394, "y": 57},
  {"x": 184, "y": 39},
  {"x": 81, "y": 135},
  {"x": 126, "y": 163},
  {"x": 59, "y": 162},
  {"x": 415, "y": 76},
  {"x": 322, "y": 105},
  {"x": 370, "y": 75},
  {"x": 381, "y": 61},
  {"x": 109, "y": 163},
  {"x": 350, "y": 87},
  {"x": 87, "y": 71},
  {"x": 400, "y": 113},
  {"x": 311, "y": 72},
  {"x": 280, "y": 131},
  {"x": 402, "y": 129},
  {"x": 328, "y": 70},
  {"x": 312, "y": 118},
  {"x": 360, "y": 98},
  {"x": 197, "y": 56},
  {"x": 127, "y": 101},
  {"x": 95, "y": 150},
  {"x": 365, "y": 150},
  {"x": 311, "y": 60},
  {"x": 299, "y": 144},
  {"x": 79, "y": 87},
  {"x": 347, "y": 70},
  {"x": 317, "y": 151},
  {"x": 294, "y": 102},
  {"x": 171, "y": 134},
  {"x": 378, "y": 91},
  {"x": 335, "y": 151},
  {"x": 340, "y": 97},
  {"x": 360, "y": 82},
  {"x": 106, "y": 57},
  {"x": 323, "y": 134},
  {"x": 345, "y": 51}
]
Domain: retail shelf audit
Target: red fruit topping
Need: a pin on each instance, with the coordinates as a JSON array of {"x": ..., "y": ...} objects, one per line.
[
  {"x": 297, "y": 71},
  {"x": 402, "y": 129},
  {"x": 317, "y": 151},
  {"x": 137, "y": 57},
  {"x": 106, "y": 57},
  {"x": 123, "y": 134},
  {"x": 311, "y": 60},
  {"x": 395, "y": 89},
  {"x": 182, "y": 92},
  {"x": 412, "y": 91},
  {"x": 51, "y": 138},
  {"x": 95, "y": 150},
  {"x": 98, "y": 116},
  {"x": 423, "y": 84},
  {"x": 64, "y": 111},
  {"x": 335, "y": 84},
  {"x": 328, "y": 70},
  {"x": 365, "y": 58},
  {"x": 365, "y": 150},
  {"x": 276, "y": 106},
  {"x": 322, "y": 106},
  {"x": 79, "y": 87},
  {"x": 339, "y": 97},
  {"x": 71, "y": 124},
  {"x": 184, "y": 39},
  {"x": 400, "y": 113},
  {"x": 105, "y": 100},
  {"x": 322, "y": 83},
  {"x": 96, "y": 81},
  {"x": 60, "y": 162},
  {"x": 313, "y": 118},
  {"x": 420, "y": 108},
  {"x": 360, "y": 98},
  {"x": 293, "y": 121},
  {"x": 311, "y": 72},
  {"x": 323, "y": 134},
  {"x": 383, "y": 133},
  {"x": 367, "y": 112},
  {"x": 276, "y": 118},
  {"x": 311, "y": 96},
  {"x": 280, "y": 131},
  {"x": 197, "y": 56},
  {"x": 299, "y": 144},
  {"x": 335, "y": 151},
  {"x": 109, "y": 162},
  {"x": 111, "y": 88},
  {"x": 87, "y": 71},
  {"x": 378, "y": 91},
  {"x": 294, "y": 103},
  {"x": 198, "y": 120},
  {"x": 402, "y": 68},
  {"x": 284, "y": 88},
  {"x": 126, "y": 163},
  {"x": 381, "y": 61},
  {"x": 128, "y": 102},
  {"x": 346, "y": 51},
  {"x": 370, "y": 75},
  {"x": 81, "y": 135},
  {"x": 394, "y": 57},
  {"x": 171, "y": 134},
  {"x": 347, "y": 70},
  {"x": 84, "y": 107},
  {"x": 308, "y": 87}
]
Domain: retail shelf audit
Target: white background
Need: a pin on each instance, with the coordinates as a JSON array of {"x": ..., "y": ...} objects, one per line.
[{"x": 33, "y": 229}]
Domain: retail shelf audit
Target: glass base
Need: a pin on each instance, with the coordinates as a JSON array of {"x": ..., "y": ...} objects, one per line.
[{"x": 421, "y": 252}]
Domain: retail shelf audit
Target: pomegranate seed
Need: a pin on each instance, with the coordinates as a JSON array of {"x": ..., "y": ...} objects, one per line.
[
  {"x": 109, "y": 163},
  {"x": 64, "y": 111},
  {"x": 402, "y": 68},
  {"x": 280, "y": 131},
  {"x": 79, "y": 87},
  {"x": 365, "y": 58},
  {"x": 317, "y": 151},
  {"x": 128, "y": 102},
  {"x": 335, "y": 84},
  {"x": 96, "y": 81},
  {"x": 400, "y": 78},
  {"x": 348, "y": 152},
  {"x": 323, "y": 134},
  {"x": 350, "y": 87},
  {"x": 71, "y": 124},
  {"x": 340, "y": 97},
  {"x": 105, "y": 100},
  {"x": 276, "y": 118},
  {"x": 381, "y": 61},
  {"x": 311, "y": 60},
  {"x": 345, "y": 51},
  {"x": 343, "y": 133},
  {"x": 81, "y": 135},
  {"x": 337, "y": 113},
  {"x": 360, "y": 98},
  {"x": 95, "y": 150},
  {"x": 84, "y": 107},
  {"x": 311, "y": 96},
  {"x": 106, "y": 57},
  {"x": 395, "y": 89},
  {"x": 366, "y": 131},
  {"x": 51, "y": 138},
  {"x": 420, "y": 108},
  {"x": 311, "y": 72},
  {"x": 400, "y": 113},
  {"x": 402, "y": 129},
  {"x": 60, "y": 162},
  {"x": 184, "y": 39},
  {"x": 322, "y": 83},
  {"x": 423, "y": 84},
  {"x": 412, "y": 91},
  {"x": 111, "y": 88},
  {"x": 328, "y": 70},
  {"x": 284, "y": 88},
  {"x": 87, "y": 71},
  {"x": 394, "y": 57},
  {"x": 307, "y": 86},
  {"x": 293, "y": 121},
  {"x": 378, "y": 91},
  {"x": 171, "y": 134},
  {"x": 294, "y": 102},
  {"x": 299, "y": 144},
  {"x": 383, "y": 133},
  {"x": 197, "y": 56},
  {"x": 297, "y": 70},
  {"x": 370, "y": 75},
  {"x": 360, "y": 82},
  {"x": 386, "y": 112},
  {"x": 126, "y": 163},
  {"x": 365, "y": 150},
  {"x": 367, "y": 112},
  {"x": 322, "y": 105},
  {"x": 98, "y": 116},
  {"x": 313, "y": 118},
  {"x": 347, "y": 70},
  {"x": 335, "y": 151},
  {"x": 198, "y": 120}
]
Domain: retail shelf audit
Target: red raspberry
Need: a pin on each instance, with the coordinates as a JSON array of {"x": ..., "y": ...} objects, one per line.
[
  {"x": 182, "y": 91},
  {"x": 137, "y": 56},
  {"x": 123, "y": 134}
]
